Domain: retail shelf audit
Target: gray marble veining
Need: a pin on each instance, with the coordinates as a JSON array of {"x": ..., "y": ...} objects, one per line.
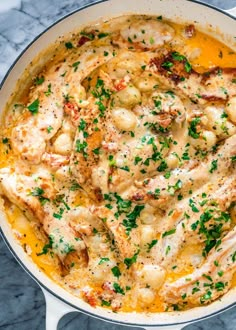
[{"x": 22, "y": 305}]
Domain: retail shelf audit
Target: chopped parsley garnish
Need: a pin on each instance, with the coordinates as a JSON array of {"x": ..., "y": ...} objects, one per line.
[
  {"x": 75, "y": 65},
  {"x": 69, "y": 45},
  {"x": 130, "y": 40},
  {"x": 192, "y": 130},
  {"x": 152, "y": 41},
  {"x": 81, "y": 147},
  {"x": 130, "y": 261},
  {"x": 5, "y": 140},
  {"x": 96, "y": 151},
  {"x": 224, "y": 115},
  {"x": 194, "y": 290},
  {"x": 177, "y": 186},
  {"x": 177, "y": 56},
  {"x": 67, "y": 97},
  {"x": 234, "y": 256},
  {"x": 49, "y": 91},
  {"x": 171, "y": 93},
  {"x": 102, "y": 260},
  {"x": 165, "y": 143},
  {"x": 208, "y": 277},
  {"x": 82, "y": 126},
  {"x": 219, "y": 286},
  {"x": 150, "y": 245},
  {"x": 123, "y": 206},
  {"x": 116, "y": 271},
  {"x": 125, "y": 168},
  {"x": 185, "y": 155},
  {"x": 75, "y": 186},
  {"x": 34, "y": 107},
  {"x": 130, "y": 221},
  {"x": 106, "y": 303},
  {"x": 101, "y": 93},
  {"x": 102, "y": 35},
  {"x": 187, "y": 67},
  {"x": 213, "y": 232},
  {"x": 167, "y": 175},
  {"x": 168, "y": 249},
  {"x": 46, "y": 246},
  {"x": 193, "y": 206},
  {"x": 220, "y": 273},
  {"x": 163, "y": 166},
  {"x": 168, "y": 233},
  {"x": 118, "y": 289},
  {"x": 137, "y": 159},
  {"x": 39, "y": 80},
  {"x": 167, "y": 65},
  {"x": 112, "y": 161},
  {"x": 205, "y": 297},
  {"x": 95, "y": 231},
  {"x": 155, "y": 194},
  {"x": 57, "y": 216},
  {"x": 213, "y": 166},
  {"x": 68, "y": 248},
  {"x": 39, "y": 192},
  {"x": 88, "y": 35},
  {"x": 49, "y": 129}
]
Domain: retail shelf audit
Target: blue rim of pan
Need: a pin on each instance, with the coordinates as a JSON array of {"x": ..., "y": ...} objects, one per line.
[{"x": 8, "y": 243}]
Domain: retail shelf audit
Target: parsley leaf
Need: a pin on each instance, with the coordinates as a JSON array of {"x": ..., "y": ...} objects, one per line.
[
  {"x": 39, "y": 80},
  {"x": 102, "y": 260},
  {"x": 168, "y": 233},
  {"x": 34, "y": 107},
  {"x": 130, "y": 261},
  {"x": 214, "y": 166},
  {"x": 116, "y": 271},
  {"x": 192, "y": 130},
  {"x": 39, "y": 192},
  {"x": 118, "y": 289},
  {"x": 193, "y": 206},
  {"x": 81, "y": 147},
  {"x": 130, "y": 221},
  {"x": 46, "y": 246},
  {"x": 150, "y": 245},
  {"x": 69, "y": 45}
]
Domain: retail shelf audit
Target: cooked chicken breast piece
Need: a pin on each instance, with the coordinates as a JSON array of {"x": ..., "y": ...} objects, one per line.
[
  {"x": 35, "y": 198},
  {"x": 210, "y": 281}
]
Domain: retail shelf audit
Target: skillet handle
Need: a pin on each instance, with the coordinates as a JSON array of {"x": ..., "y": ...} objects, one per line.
[
  {"x": 231, "y": 11},
  {"x": 55, "y": 310},
  {"x": 174, "y": 327}
]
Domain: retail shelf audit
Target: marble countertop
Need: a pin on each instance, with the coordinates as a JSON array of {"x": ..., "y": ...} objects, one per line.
[{"x": 22, "y": 305}]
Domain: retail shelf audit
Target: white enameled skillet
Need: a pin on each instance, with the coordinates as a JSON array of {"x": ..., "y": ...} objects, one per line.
[{"x": 59, "y": 302}]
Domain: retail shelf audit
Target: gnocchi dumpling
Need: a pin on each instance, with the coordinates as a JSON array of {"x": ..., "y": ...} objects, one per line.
[
  {"x": 153, "y": 275},
  {"x": 218, "y": 123},
  {"x": 127, "y": 97},
  {"x": 124, "y": 119},
  {"x": 63, "y": 144}
]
